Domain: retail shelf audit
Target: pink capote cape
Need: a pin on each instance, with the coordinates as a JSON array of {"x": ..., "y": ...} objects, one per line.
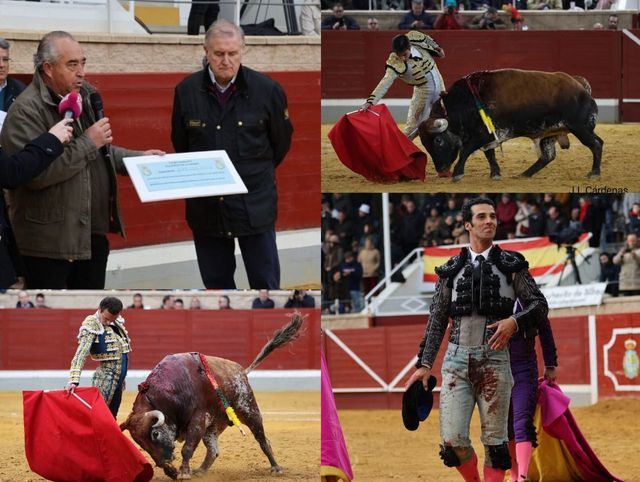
[
  {"x": 571, "y": 452},
  {"x": 334, "y": 458}
]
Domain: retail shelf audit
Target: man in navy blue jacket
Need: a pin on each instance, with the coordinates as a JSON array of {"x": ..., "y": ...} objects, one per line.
[{"x": 16, "y": 170}]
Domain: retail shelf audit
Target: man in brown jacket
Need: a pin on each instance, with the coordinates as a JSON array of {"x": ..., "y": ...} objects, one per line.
[
  {"x": 61, "y": 217},
  {"x": 628, "y": 258}
]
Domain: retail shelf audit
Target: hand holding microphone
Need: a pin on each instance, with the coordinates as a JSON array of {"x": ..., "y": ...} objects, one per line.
[
  {"x": 100, "y": 134},
  {"x": 62, "y": 130}
]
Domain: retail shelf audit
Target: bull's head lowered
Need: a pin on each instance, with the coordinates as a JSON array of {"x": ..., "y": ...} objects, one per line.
[
  {"x": 440, "y": 142},
  {"x": 154, "y": 434}
]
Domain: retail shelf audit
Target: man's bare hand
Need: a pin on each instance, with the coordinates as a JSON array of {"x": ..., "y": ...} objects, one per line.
[
  {"x": 422, "y": 373},
  {"x": 504, "y": 329},
  {"x": 365, "y": 106},
  {"x": 100, "y": 133},
  {"x": 550, "y": 374},
  {"x": 62, "y": 130},
  {"x": 70, "y": 387},
  {"x": 154, "y": 152}
]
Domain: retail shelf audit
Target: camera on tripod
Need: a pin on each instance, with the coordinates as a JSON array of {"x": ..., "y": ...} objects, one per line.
[{"x": 567, "y": 236}]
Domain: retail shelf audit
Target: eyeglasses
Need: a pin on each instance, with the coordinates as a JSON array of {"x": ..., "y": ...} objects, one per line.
[{"x": 5, "y": 59}]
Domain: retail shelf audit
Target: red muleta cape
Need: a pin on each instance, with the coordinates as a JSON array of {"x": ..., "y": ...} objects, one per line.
[
  {"x": 372, "y": 145},
  {"x": 66, "y": 441}
]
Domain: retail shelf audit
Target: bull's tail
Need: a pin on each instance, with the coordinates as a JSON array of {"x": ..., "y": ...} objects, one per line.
[
  {"x": 284, "y": 335},
  {"x": 584, "y": 82}
]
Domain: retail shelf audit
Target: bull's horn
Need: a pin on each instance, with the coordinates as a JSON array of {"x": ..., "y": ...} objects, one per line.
[
  {"x": 438, "y": 126},
  {"x": 158, "y": 414}
]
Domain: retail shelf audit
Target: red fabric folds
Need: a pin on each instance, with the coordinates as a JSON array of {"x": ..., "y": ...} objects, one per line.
[
  {"x": 372, "y": 145},
  {"x": 67, "y": 441}
]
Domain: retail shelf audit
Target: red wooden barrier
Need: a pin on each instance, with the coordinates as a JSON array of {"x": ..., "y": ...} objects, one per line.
[
  {"x": 46, "y": 339},
  {"x": 387, "y": 349},
  {"x": 139, "y": 107},
  {"x": 353, "y": 61},
  {"x": 630, "y": 109}
]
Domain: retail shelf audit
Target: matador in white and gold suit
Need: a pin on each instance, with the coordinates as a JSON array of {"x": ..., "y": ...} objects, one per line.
[{"x": 412, "y": 61}]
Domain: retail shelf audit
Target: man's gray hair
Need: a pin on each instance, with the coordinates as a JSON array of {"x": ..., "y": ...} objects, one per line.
[
  {"x": 4, "y": 44},
  {"x": 47, "y": 51},
  {"x": 223, "y": 28}
]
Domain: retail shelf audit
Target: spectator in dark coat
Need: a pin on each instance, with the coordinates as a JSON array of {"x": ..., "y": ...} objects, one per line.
[
  {"x": 609, "y": 273},
  {"x": 339, "y": 21},
  {"x": 416, "y": 18},
  {"x": 411, "y": 228},
  {"x": 24, "y": 301},
  {"x": 536, "y": 221},
  {"x": 15, "y": 171},
  {"x": 9, "y": 88},
  {"x": 555, "y": 221},
  {"x": 300, "y": 299},
  {"x": 351, "y": 271},
  {"x": 263, "y": 301},
  {"x": 344, "y": 229}
]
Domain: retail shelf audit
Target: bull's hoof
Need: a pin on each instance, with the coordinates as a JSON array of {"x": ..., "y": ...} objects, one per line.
[
  {"x": 496, "y": 177},
  {"x": 184, "y": 476},
  {"x": 171, "y": 471},
  {"x": 593, "y": 174},
  {"x": 526, "y": 174},
  {"x": 276, "y": 470},
  {"x": 458, "y": 178}
]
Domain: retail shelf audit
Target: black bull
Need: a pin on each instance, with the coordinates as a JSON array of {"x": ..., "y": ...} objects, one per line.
[
  {"x": 178, "y": 402},
  {"x": 539, "y": 105}
]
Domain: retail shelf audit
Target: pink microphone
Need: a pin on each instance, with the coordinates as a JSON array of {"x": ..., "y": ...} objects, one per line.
[{"x": 71, "y": 105}]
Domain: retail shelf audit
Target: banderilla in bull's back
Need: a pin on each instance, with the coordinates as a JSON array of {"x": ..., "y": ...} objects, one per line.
[{"x": 179, "y": 401}]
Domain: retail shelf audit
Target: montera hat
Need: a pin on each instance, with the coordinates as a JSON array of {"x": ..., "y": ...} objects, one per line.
[{"x": 417, "y": 403}]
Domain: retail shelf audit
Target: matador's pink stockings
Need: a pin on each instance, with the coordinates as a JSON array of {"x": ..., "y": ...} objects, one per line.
[{"x": 469, "y": 470}]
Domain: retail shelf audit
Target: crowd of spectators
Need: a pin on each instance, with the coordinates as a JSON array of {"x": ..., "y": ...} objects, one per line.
[
  {"x": 352, "y": 251},
  {"x": 449, "y": 18},
  {"x": 297, "y": 299},
  {"x": 24, "y": 301}
]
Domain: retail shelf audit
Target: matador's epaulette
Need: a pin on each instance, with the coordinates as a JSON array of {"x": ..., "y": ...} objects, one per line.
[
  {"x": 424, "y": 41},
  {"x": 396, "y": 63},
  {"x": 451, "y": 268},
  {"x": 508, "y": 261},
  {"x": 91, "y": 324},
  {"x": 416, "y": 36}
]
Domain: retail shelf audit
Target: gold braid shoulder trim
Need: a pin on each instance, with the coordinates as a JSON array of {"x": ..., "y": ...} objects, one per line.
[
  {"x": 416, "y": 36},
  {"x": 396, "y": 63},
  {"x": 91, "y": 324}
]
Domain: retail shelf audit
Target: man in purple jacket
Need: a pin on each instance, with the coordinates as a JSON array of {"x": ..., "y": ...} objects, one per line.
[{"x": 524, "y": 395}]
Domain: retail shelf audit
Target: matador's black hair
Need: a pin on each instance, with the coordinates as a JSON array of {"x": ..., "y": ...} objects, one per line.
[
  {"x": 400, "y": 43},
  {"x": 466, "y": 207}
]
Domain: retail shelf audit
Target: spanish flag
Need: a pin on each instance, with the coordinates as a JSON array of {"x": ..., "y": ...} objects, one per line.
[
  {"x": 334, "y": 464},
  {"x": 545, "y": 258}
]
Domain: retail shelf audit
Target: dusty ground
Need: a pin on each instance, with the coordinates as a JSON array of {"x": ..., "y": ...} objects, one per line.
[
  {"x": 568, "y": 170},
  {"x": 382, "y": 450},
  {"x": 291, "y": 421}
]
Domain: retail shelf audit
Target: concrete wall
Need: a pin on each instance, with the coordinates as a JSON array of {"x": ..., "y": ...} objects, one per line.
[{"x": 169, "y": 53}]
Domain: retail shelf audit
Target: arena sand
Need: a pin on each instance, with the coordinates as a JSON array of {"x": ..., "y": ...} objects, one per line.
[
  {"x": 567, "y": 171},
  {"x": 381, "y": 449},
  {"x": 291, "y": 421}
]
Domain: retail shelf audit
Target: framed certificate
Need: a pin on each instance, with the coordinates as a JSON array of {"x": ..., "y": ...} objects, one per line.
[{"x": 185, "y": 175}]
